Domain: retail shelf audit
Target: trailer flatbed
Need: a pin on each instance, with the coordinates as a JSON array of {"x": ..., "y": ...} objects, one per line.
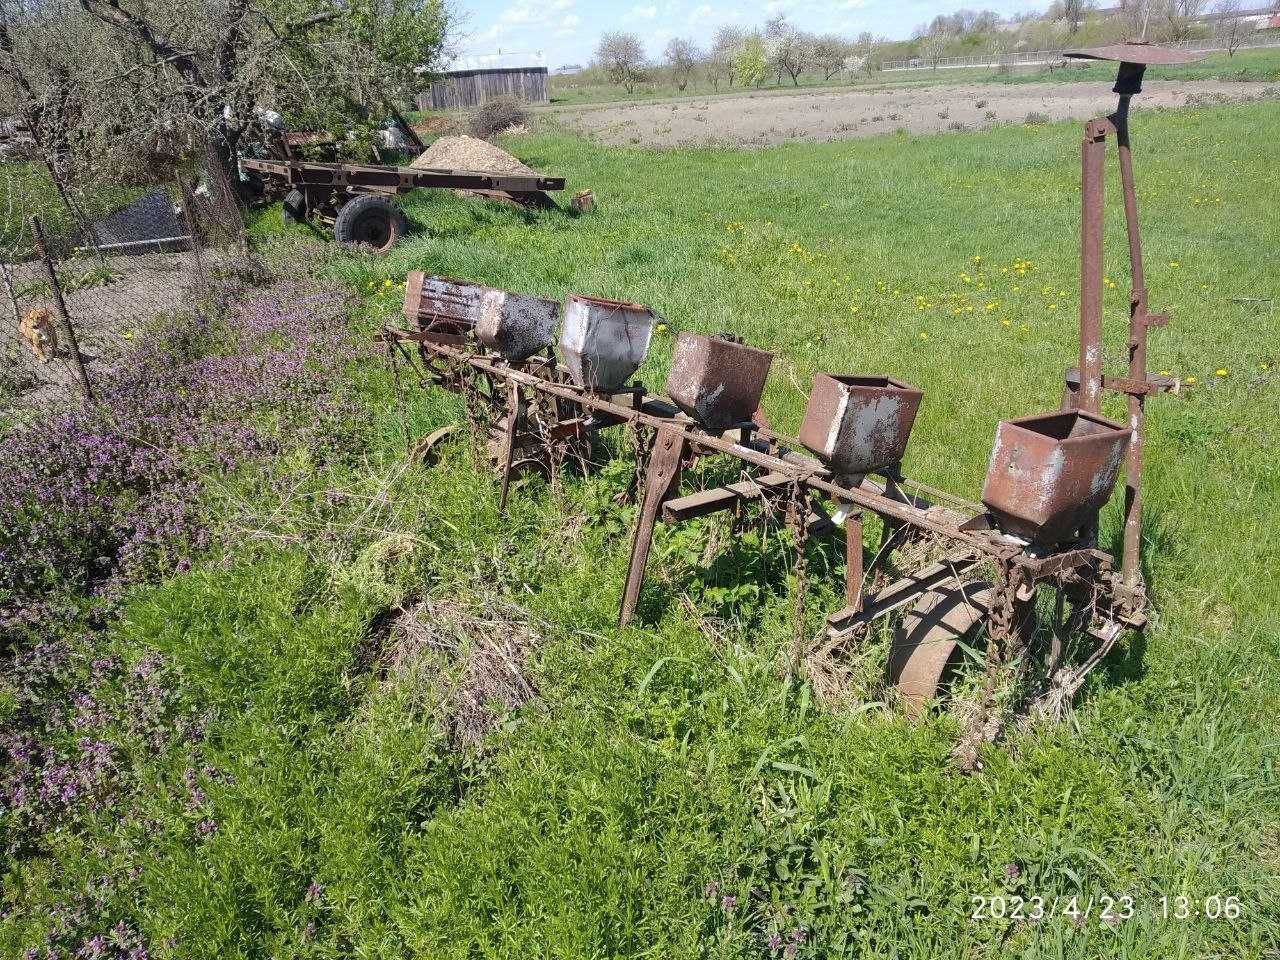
[{"x": 356, "y": 199}]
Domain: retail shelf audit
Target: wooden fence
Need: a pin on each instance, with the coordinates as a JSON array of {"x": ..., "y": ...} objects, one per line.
[{"x": 470, "y": 88}]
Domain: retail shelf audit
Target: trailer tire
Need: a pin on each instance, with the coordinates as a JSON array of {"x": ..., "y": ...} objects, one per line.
[
  {"x": 370, "y": 220},
  {"x": 294, "y": 209}
]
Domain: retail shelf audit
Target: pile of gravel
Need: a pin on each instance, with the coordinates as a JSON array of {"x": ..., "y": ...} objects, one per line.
[{"x": 468, "y": 153}]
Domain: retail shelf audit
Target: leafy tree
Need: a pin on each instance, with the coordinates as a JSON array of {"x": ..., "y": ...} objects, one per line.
[
  {"x": 621, "y": 56},
  {"x": 749, "y": 63},
  {"x": 190, "y": 72}
]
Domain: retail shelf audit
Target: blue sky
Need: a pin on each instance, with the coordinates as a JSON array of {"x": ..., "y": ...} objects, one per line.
[{"x": 565, "y": 31}]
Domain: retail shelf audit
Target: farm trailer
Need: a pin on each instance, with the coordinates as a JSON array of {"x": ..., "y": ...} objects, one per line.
[{"x": 356, "y": 199}]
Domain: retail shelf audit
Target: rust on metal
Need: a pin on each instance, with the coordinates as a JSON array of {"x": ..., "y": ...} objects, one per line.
[
  {"x": 716, "y": 380},
  {"x": 859, "y": 424},
  {"x": 661, "y": 477},
  {"x": 1050, "y": 473},
  {"x": 515, "y": 326}
]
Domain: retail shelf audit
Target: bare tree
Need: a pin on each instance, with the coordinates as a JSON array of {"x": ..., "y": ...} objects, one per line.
[
  {"x": 682, "y": 56},
  {"x": 621, "y": 56},
  {"x": 1073, "y": 12},
  {"x": 1181, "y": 16},
  {"x": 830, "y": 51},
  {"x": 933, "y": 46},
  {"x": 1231, "y": 24},
  {"x": 868, "y": 49},
  {"x": 722, "y": 61}
]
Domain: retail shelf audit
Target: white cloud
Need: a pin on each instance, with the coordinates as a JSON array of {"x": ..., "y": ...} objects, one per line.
[
  {"x": 569, "y": 25},
  {"x": 641, "y": 13},
  {"x": 524, "y": 16}
]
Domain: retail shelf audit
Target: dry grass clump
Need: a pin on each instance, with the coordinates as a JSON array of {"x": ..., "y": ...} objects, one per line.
[
  {"x": 497, "y": 115},
  {"x": 471, "y": 660}
]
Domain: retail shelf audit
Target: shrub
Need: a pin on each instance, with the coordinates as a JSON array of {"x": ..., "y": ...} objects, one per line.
[
  {"x": 494, "y": 116},
  {"x": 1035, "y": 116}
]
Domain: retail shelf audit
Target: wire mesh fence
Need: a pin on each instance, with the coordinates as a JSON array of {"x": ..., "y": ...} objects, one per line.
[{"x": 87, "y": 268}]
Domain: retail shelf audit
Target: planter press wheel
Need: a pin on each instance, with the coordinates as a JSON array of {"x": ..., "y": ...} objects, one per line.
[
  {"x": 371, "y": 220},
  {"x": 926, "y": 643}
]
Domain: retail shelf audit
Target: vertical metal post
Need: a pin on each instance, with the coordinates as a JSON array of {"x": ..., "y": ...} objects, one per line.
[
  {"x": 1131, "y": 560},
  {"x": 60, "y": 308},
  {"x": 1092, "y": 155}
]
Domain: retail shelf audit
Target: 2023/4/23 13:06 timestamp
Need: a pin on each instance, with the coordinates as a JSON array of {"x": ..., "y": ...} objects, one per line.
[{"x": 1110, "y": 910}]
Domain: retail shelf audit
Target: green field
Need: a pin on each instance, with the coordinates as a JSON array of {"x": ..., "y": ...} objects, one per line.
[
  {"x": 1261, "y": 64},
  {"x": 663, "y": 768}
]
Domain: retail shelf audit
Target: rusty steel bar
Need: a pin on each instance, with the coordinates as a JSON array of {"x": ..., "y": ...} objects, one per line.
[
  {"x": 663, "y": 474},
  {"x": 853, "y": 561},
  {"x": 1092, "y": 156},
  {"x": 508, "y": 451},
  {"x": 895, "y": 509}
]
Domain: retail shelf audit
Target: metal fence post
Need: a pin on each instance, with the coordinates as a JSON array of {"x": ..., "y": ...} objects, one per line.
[{"x": 60, "y": 307}]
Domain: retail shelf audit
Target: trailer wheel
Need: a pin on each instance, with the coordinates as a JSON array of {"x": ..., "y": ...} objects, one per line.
[
  {"x": 370, "y": 220},
  {"x": 294, "y": 209},
  {"x": 926, "y": 644}
]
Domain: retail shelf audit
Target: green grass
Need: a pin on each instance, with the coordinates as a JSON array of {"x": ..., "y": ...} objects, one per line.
[
  {"x": 1245, "y": 65},
  {"x": 663, "y": 758}
]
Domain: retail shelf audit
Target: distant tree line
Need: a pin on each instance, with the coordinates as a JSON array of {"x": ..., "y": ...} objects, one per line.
[{"x": 779, "y": 51}]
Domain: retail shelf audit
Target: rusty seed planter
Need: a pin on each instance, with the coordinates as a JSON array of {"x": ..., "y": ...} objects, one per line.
[
  {"x": 1049, "y": 474},
  {"x": 859, "y": 424},
  {"x": 717, "y": 381}
]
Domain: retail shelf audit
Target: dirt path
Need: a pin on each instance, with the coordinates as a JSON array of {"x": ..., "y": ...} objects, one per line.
[{"x": 765, "y": 119}]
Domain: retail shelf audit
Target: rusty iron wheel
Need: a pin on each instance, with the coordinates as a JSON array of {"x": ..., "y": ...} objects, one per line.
[
  {"x": 370, "y": 220},
  {"x": 426, "y": 451},
  {"x": 926, "y": 643}
]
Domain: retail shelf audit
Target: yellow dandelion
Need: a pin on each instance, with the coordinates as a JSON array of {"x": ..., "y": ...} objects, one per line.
[
  {"x": 386, "y": 283},
  {"x": 662, "y": 328},
  {"x": 1164, "y": 373},
  {"x": 1220, "y": 372},
  {"x": 1006, "y": 322},
  {"x": 923, "y": 335},
  {"x": 991, "y": 306},
  {"x": 1053, "y": 306},
  {"x": 1189, "y": 380},
  {"x": 1174, "y": 263}
]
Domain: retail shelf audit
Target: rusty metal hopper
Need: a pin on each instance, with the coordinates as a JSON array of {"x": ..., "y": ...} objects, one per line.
[
  {"x": 603, "y": 342},
  {"x": 513, "y": 325},
  {"x": 1051, "y": 472},
  {"x": 859, "y": 424},
  {"x": 716, "y": 380}
]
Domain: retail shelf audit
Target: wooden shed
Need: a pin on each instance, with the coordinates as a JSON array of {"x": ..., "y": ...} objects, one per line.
[{"x": 470, "y": 81}]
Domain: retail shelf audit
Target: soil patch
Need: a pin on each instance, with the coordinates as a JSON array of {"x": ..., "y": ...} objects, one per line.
[{"x": 766, "y": 119}]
